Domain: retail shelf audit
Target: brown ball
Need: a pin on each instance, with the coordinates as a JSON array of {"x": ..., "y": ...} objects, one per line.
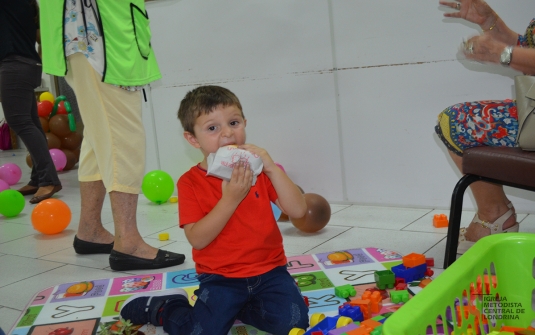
[
  {"x": 284, "y": 217},
  {"x": 59, "y": 125},
  {"x": 300, "y": 189},
  {"x": 317, "y": 215},
  {"x": 29, "y": 160},
  {"x": 71, "y": 159},
  {"x": 53, "y": 141},
  {"x": 44, "y": 124},
  {"x": 77, "y": 154},
  {"x": 71, "y": 141}
]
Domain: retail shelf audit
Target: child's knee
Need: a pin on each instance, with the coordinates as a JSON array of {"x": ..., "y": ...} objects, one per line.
[{"x": 297, "y": 318}]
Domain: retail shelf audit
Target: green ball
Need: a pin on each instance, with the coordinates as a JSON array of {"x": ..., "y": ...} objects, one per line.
[
  {"x": 158, "y": 186},
  {"x": 11, "y": 203}
]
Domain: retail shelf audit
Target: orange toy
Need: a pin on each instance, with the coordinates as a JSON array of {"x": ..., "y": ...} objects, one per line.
[{"x": 440, "y": 220}]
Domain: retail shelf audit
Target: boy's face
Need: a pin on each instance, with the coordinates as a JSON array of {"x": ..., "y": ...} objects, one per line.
[{"x": 223, "y": 126}]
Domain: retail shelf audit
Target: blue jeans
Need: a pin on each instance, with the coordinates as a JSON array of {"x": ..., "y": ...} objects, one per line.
[{"x": 271, "y": 302}]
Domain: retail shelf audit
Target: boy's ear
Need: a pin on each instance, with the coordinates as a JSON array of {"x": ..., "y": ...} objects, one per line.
[{"x": 191, "y": 139}]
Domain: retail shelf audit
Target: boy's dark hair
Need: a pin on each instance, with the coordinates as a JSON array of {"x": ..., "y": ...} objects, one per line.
[{"x": 203, "y": 100}]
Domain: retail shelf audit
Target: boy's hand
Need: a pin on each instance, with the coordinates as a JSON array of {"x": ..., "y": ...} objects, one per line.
[
  {"x": 240, "y": 183},
  {"x": 267, "y": 161}
]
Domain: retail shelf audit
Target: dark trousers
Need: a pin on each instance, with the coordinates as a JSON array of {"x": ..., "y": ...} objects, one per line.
[
  {"x": 19, "y": 76},
  {"x": 271, "y": 302}
]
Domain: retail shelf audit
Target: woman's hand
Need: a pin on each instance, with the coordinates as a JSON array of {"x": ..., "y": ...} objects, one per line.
[
  {"x": 475, "y": 11},
  {"x": 483, "y": 48}
]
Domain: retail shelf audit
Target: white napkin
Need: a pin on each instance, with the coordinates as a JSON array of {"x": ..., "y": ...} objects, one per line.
[{"x": 223, "y": 161}]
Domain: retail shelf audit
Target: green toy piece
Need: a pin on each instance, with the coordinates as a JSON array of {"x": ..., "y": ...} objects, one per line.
[
  {"x": 384, "y": 279},
  {"x": 399, "y": 296},
  {"x": 345, "y": 291}
]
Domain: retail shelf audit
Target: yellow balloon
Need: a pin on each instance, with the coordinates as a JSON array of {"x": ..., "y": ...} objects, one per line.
[{"x": 46, "y": 96}]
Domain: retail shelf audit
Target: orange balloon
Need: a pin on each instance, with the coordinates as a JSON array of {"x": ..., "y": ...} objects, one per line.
[
  {"x": 51, "y": 216},
  {"x": 317, "y": 215},
  {"x": 53, "y": 141},
  {"x": 59, "y": 125}
]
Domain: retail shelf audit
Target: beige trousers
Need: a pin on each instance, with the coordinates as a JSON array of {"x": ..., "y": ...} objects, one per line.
[{"x": 113, "y": 148}]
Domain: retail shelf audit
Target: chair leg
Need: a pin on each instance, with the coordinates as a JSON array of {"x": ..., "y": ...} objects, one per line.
[{"x": 455, "y": 218}]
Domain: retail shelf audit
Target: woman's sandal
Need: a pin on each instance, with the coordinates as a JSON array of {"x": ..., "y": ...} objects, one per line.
[{"x": 495, "y": 227}]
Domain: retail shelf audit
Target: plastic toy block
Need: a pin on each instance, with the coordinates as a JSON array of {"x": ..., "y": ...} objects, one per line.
[
  {"x": 401, "y": 286},
  {"x": 163, "y": 236},
  {"x": 344, "y": 329},
  {"x": 376, "y": 300},
  {"x": 440, "y": 220},
  {"x": 410, "y": 274},
  {"x": 352, "y": 312},
  {"x": 470, "y": 310},
  {"x": 384, "y": 279},
  {"x": 318, "y": 332},
  {"x": 384, "y": 293},
  {"x": 399, "y": 296},
  {"x": 429, "y": 272},
  {"x": 413, "y": 260},
  {"x": 173, "y": 199},
  {"x": 359, "y": 331},
  {"x": 365, "y": 307},
  {"x": 399, "y": 280},
  {"x": 424, "y": 282},
  {"x": 327, "y": 324},
  {"x": 345, "y": 291},
  {"x": 430, "y": 261},
  {"x": 377, "y": 331},
  {"x": 370, "y": 324}
]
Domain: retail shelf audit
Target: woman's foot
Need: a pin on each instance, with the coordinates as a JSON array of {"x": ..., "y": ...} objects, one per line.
[
  {"x": 479, "y": 228},
  {"x": 45, "y": 192},
  {"x": 28, "y": 189}
]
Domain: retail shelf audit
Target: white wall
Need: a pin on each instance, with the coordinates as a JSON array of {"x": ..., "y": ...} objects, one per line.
[{"x": 343, "y": 93}]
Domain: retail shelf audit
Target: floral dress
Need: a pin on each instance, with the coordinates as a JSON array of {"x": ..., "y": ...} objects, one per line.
[{"x": 482, "y": 123}]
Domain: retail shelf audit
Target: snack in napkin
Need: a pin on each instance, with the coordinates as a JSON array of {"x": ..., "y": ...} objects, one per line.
[{"x": 223, "y": 161}]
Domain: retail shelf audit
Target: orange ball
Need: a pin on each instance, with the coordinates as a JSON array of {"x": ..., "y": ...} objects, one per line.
[
  {"x": 51, "y": 216},
  {"x": 317, "y": 215}
]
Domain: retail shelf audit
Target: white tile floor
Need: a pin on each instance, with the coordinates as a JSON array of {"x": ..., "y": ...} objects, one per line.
[{"x": 30, "y": 261}]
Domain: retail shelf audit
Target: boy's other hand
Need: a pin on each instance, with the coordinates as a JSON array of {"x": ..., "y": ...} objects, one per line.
[
  {"x": 267, "y": 161},
  {"x": 240, "y": 183}
]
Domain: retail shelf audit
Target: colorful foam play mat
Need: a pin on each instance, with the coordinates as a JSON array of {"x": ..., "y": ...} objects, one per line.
[{"x": 327, "y": 280}]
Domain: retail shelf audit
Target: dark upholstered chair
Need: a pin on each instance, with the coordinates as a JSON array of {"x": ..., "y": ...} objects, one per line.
[{"x": 506, "y": 166}]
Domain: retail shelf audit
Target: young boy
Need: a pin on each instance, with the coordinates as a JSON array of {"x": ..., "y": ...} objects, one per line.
[{"x": 237, "y": 246}]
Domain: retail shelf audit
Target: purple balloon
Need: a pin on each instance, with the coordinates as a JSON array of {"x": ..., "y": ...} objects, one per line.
[
  {"x": 59, "y": 159},
  {"x": 3, "y": 185},
  {"x": 10, "y": 173}
]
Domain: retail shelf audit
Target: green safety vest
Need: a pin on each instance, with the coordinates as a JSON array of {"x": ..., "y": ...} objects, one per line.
[{"x": 129, "y": 58}]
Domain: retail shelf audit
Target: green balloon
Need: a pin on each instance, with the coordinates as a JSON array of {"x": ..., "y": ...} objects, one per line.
[
  {"x": 158, "y": 186},
  {"x": 11, "y": 203}
]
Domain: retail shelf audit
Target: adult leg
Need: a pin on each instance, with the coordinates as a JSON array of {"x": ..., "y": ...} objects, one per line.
[
  {"x": 113, "y": 152},
  {"x": 90, "y": 228},
  {"x": 491, "y": 203},
  {"x": 19, "y": 77}
]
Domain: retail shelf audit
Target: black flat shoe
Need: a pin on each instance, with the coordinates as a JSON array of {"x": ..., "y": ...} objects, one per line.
[
  {"x": 40, "y": 198},
  {"x": 164, "y": 259},
  {"x": 86, "y": 248}
]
